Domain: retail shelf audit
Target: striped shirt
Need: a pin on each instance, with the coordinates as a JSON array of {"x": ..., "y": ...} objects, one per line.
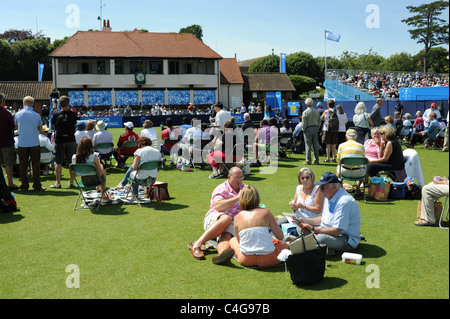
[{"x": 351, "y": 148}]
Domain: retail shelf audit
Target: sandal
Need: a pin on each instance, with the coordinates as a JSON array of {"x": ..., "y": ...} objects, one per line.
[
  {"x": 204, "y": 247},
  {"x": 423, "y": 222}
]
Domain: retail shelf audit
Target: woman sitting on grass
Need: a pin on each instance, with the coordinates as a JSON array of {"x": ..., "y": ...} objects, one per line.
[
  {"x": 253, "y": 245},
  {"x": 85, "y": 155},
  {"x": 308, "y": 199},
  {"x": 144, "y": 153}
]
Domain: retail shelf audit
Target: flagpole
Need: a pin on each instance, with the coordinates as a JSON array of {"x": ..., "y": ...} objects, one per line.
[{"x": 325, "y": 39}]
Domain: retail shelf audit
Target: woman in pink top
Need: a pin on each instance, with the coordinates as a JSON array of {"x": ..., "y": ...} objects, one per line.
[{"x": 372, "y": 146}]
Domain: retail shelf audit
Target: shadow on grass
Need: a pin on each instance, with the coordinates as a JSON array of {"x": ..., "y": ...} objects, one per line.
[
  {"x": 10, "y": 218},
  {"x": 327, "y": 283},
  {"x": 166, "y": 206},
  {"x": 111, "y": 210}
]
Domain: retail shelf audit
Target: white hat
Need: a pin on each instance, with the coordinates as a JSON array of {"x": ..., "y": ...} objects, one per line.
[
  {"x": 129, "y": 124},
  {"x": 100, "y": 126}
]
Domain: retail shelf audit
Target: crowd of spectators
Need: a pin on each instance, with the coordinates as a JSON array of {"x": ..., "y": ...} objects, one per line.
[{"x": 388, "y": 84}]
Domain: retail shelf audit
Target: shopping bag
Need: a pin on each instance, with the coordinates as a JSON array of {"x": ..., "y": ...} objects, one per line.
[
  {"x": 380, "y": 191},
  {"x": 308, "y": 267}
]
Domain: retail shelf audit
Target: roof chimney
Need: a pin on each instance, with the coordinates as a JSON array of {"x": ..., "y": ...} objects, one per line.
[{"x": 106, "y": 26}]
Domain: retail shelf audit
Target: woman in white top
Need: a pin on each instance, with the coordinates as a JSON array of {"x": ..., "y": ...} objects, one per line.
[
  {"x": 308, "y": 200},
  {"x": 144, "y": 153},
  {"x": 85, "y": 155},
  {"x": 343, "y": 120},
  {"x": 253, "y": 245},
  {"x": 362, "y": 122},
  {"x": 285, "y": 128},
  {"x": 149, "y": 131}
]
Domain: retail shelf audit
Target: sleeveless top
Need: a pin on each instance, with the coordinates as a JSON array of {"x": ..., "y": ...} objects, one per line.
[
  {"x": 256, "y": 241},
  {"x": 308, "y": 201},
  {"x": 396, "y": 159}
]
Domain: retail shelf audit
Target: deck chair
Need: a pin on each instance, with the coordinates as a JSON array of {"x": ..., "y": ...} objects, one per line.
[
  {"x": 82, "y": 170},
  {"x": 287, "y": 146},
  {"x": 441, "y": 220},
  {"x": 355, "y": 161},
  {"x": 149, "y": 165},
  {"x": 48, "y": 161},
  {"x": 127, "y": 145},
  {"x": 104, "y": 158}
]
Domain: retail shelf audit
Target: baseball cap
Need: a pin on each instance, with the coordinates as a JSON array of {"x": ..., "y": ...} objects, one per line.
[
  {"x": 327, "y": 178},
  {"x": 433, "y": 105},
  {"x": 129, "y": 124}
]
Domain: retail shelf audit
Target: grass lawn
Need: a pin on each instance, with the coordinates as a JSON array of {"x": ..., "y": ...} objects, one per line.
[{"x": 124, "y": 251}]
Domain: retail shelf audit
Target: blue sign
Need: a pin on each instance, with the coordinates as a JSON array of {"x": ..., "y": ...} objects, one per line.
[
  {"x": 40, "y": 71},
  {"x": 293, "y": 108},
  {"x": 239, "y": 118},
  {"x": 111, "y": 121},
  {"x": 283, "y": 63}
]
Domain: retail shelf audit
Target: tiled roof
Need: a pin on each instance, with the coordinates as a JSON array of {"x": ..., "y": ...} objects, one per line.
[
  {"x": 267, "y": 82},
  {"x": 17, "y": 90},
  {"x": 134, "y": 44},
  {"x": 229, "y": 72}
]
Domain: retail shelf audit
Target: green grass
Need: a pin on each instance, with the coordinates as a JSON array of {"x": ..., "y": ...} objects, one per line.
[{"x": 125, "y": 251}]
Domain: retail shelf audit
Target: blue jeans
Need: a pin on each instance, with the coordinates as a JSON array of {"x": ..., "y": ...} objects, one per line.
[{"x": 124, "y": 181}]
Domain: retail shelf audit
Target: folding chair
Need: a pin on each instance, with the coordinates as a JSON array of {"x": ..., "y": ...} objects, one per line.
[
  {"x": 355, "y": 161},
  {"x": 82, "y": 170},
  {"x": 127, "y": 145},
  {"x": 287, "y": 146},
  {"x": 107, "y": 156},
  {"x": 149, "y": 165},
  {"x": 442, "y": 214},
  {"x": 50, "y": 161}
]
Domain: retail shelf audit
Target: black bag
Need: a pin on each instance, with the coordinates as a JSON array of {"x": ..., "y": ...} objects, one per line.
[
  {"x": 308, "y": 267},
  {"x": 7, "y": 201}
]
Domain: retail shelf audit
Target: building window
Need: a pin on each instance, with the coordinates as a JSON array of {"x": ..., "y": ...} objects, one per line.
[
  {"x": 101, "y": 67},
  {"x": 174, "y": 67},
  {"x": 85, "y": 68},
  {"x": 155, "y": 67},
  {"x": 118, "y": 67},
  {"x": 136, "y": 66}
]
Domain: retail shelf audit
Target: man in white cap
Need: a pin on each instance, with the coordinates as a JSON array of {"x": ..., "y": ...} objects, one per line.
[
  {"x": 129, "y": 135},
  {"x": 102, "y": 136}
]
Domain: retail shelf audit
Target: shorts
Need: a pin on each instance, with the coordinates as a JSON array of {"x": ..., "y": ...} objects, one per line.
[
  {"x": 8, "y": 155},
  {"x": 65, "y": 151},
  {"x": 211, "y": 218},
  {"x": 351, "y": 173}
]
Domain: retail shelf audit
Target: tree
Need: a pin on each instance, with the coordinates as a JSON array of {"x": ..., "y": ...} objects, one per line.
[
  {"x": 400, "y": 62},
  {"x": 13, "y": 35},
  {"x": 303, "y": 63},
  {"x": 270, "y": 63},
  {"x": 6, "y": 61},
  {"x": 195, "y": 29},
  {"x": 437, "y": 59},
  {"x": 302, "y": 83},
  {"x": 428, "y": 28}
]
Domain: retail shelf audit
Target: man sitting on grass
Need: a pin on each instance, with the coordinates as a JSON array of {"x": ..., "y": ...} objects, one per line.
[
  {"x": 340, "y": 222},
  {"x": 218, "y": 222}
]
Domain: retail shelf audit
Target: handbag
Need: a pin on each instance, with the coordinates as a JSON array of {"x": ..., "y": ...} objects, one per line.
[
  {"x": 308, "y": 267},
  {"x": 379, "y": 189},
  {"x": 162, "y": 188}
]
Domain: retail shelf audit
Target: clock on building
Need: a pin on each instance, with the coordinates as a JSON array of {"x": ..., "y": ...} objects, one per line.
[{"x": 139, "y": 78}]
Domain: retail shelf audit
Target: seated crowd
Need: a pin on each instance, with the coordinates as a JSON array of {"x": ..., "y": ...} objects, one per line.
[{"x": 236, "y": 218}]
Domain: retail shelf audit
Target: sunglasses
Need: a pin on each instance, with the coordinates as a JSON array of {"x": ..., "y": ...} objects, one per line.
[{"x": 305, "y": 177}]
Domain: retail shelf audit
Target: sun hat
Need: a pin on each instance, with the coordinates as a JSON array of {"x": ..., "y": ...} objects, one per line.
[{"x": 100, "y": 126}]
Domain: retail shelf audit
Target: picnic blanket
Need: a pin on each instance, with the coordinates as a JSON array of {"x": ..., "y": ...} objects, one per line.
[{"x": 117, "y": 196}]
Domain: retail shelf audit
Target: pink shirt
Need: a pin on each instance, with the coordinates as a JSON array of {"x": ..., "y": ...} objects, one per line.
[
  {"x": 372, "y": 150},
  {"x": 221, "y": 192}
]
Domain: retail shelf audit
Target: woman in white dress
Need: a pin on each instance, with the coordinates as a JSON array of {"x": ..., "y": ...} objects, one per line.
[{"x": 149, "y": 131}]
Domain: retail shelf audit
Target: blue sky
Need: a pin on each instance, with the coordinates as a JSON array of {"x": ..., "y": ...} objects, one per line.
[{"x": 245, "y": 28}]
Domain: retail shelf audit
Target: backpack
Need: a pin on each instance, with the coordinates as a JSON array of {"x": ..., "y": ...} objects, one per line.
[
  {"x": 64, "y": 130},
  {"x": 333, "y": 122}
]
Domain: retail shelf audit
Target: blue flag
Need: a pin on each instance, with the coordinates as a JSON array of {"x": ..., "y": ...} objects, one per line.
[
  {"x": 40, "y": 71},
  {"x": 332, "y": 36}
]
